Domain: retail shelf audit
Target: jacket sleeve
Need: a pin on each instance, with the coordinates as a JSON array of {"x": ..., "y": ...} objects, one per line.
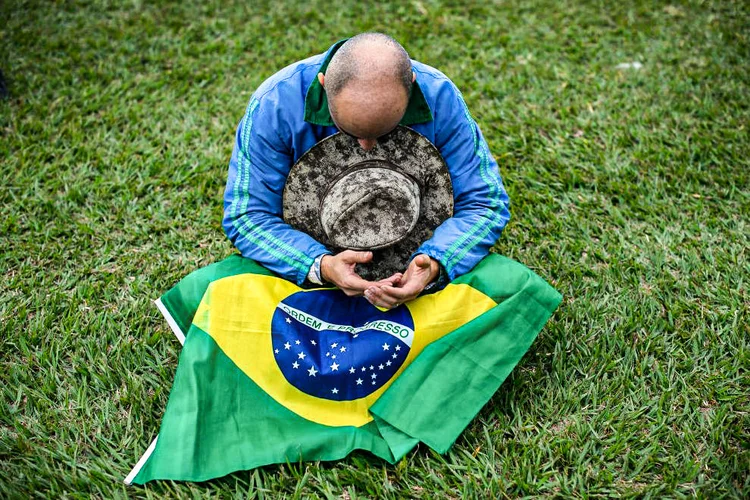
[
  {"x": 258, "y": 169},
  {"x": 480, "y": 202}
]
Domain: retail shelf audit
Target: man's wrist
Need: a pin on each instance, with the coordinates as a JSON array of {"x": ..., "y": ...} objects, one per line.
[
  {"x": 324, "y": 265},
  {"x": 434, "y": 270},
  {"x": 436, "y": 275},
  {"x": 315, "y": 275}
]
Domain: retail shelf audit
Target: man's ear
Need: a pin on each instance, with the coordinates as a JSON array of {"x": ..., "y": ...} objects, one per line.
[
  {"x": 413, "y": 77},
  {"x": 322, "y": 79}
]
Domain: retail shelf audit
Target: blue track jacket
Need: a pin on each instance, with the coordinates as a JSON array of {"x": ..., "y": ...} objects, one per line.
[{"x": 288, "y": 114}]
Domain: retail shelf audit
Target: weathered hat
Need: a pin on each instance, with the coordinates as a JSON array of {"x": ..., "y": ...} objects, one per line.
[{"x": 387, "y": 200}]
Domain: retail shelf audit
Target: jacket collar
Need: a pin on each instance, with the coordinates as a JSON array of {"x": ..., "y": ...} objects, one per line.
[{"x": 316, "y": 102}]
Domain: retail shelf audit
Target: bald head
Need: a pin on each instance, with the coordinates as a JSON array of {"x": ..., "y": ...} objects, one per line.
[{"x": 368, "y": 83}]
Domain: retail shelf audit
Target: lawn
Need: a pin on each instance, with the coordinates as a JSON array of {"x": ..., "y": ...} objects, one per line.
[{"x": 630, "y": 192}]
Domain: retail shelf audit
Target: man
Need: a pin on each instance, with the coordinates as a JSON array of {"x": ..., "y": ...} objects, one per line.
[{"x": 365, "y": 87}]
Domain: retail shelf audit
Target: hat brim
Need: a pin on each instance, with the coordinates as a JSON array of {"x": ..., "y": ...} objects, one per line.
[{"x": 410, "y": 151}]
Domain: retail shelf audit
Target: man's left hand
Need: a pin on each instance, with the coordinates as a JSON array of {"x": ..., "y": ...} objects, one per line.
[{"x": 421, "y": 271}]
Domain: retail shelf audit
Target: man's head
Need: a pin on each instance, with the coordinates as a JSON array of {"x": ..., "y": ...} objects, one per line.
[{"x": 368, "y": 84}]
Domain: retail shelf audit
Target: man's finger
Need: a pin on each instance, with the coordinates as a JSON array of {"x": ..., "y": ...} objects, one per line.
[
  {"x": 377, "y": 298},
  {"x": 354, "y": 282},
  {"x": 352, "y": 257},
  {"x": 391, "y": 280},
  {"x": 422, "y": 260},
  {"x": 404, "y": 294}
]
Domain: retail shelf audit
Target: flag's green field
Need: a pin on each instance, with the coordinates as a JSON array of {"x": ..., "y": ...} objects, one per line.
[{"x": 629, "y": 192}]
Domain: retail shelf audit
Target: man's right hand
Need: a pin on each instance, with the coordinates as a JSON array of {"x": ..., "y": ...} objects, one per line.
[{"x": 339, "y": 270}]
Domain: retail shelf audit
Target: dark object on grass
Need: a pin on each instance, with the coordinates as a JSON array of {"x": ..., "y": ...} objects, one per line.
[{"x": 3, "y": 87}]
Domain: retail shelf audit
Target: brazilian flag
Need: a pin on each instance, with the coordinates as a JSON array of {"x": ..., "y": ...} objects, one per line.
[{"x": 273, "y": 373}]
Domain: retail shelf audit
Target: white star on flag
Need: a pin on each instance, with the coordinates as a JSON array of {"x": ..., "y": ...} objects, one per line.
[
  {"x": 352, "y": 370},
  {"x": 359, "y": 381},
  {"x": 380, "y": 366},
  {"x": 386, "y": 347},
  {"x": 313, "y": 342},
  {"x": 333, "y": 357},
  {"x": 296, "y": 342},
  {"x": 388, "y": 363},
  {"x": 335, "y": 367},
  {"x": 364, "y": 369},
  {"x": 343, "y": 349},
  {"x": 374, "y": 375},
  {"x": 334, "y": 345},
  {"x": 301, "y": 355},
  {"x": 312, "y": 371},
  {"x": 394, "y": 355},
  {"x": 276, "y": 351},
  {"x": 287, "y": 346},
  {"x": 295, "y": 365},
  {"x": 335, "y": 391},
  {"x": 328, "y": 354},
  {"x": 289, "y": 321},
  {"x": 398, "y": 347},
  {"x": 372, "y": 367}
]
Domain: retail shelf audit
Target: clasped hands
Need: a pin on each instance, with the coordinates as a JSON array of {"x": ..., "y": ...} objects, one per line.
[{"x": 387, "y": 293}]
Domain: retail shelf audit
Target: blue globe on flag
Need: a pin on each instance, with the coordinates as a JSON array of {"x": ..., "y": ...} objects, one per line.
[{"x": 337, "y": 349}]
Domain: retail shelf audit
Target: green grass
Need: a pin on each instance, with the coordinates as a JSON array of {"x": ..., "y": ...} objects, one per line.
[{"x": 629, "y": 193}]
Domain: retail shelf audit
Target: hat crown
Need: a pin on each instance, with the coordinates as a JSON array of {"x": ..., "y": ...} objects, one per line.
[{"x": 372, "y": 205}]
